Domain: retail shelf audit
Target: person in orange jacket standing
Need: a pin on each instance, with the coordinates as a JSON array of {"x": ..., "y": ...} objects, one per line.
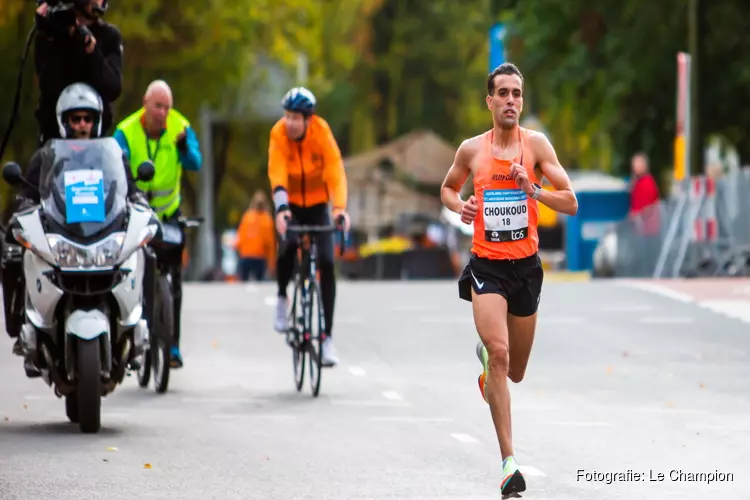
[
  {"x": 306, "y": 173},
  {"x": 256, "y": 242}
]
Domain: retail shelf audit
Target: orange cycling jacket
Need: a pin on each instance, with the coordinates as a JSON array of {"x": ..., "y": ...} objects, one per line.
[{"x": 307, "y": 172}]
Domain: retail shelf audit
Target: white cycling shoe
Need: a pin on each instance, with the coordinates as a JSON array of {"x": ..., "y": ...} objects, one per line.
[
  {"x": 328, "y": 356},
  {"x": 281, "y": 323}
]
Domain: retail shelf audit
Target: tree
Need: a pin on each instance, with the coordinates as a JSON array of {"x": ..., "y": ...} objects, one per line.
[{"x": 601, "y": 72}]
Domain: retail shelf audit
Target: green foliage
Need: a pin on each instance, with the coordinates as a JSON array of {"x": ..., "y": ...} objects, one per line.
[
  {"x": 601, "y": 78},
  {"x": 605, "y": 76}
]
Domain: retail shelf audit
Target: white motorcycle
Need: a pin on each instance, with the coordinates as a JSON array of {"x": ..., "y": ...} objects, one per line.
[{"x": 83, "y": 265}]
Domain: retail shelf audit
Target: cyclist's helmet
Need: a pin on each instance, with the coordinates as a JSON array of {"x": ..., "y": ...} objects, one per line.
[
  {"x": 77, "y": 97},
  {"x": 299, "y": 99}
]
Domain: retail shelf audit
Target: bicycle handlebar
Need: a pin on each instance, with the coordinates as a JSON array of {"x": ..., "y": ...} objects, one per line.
[
  {"x": 191, "y": 221},
  {"x": 328, "y": 228}
]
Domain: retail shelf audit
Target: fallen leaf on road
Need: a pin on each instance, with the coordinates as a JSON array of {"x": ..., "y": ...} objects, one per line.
[
  {"x": 25, "y": 407},
  {"x": 625, "y": 354},
  {"x": 670, "y": 404},
  {"x": 6, "y": 419},
  {"x": 702, "y": 386},
  {"x": 609, "y": 370},
  {"x": 112, "y": 448},
  {"x": 147, "y": 466},
  {"x": 105, "y": 460},
  {"x": 214, "y": 344}
]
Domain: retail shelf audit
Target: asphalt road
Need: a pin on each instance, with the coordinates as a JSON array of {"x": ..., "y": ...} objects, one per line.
[{"x": 621, "y": 379}]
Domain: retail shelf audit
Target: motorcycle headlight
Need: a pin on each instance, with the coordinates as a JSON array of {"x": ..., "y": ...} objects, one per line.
[{"x": 101, "y": 254}]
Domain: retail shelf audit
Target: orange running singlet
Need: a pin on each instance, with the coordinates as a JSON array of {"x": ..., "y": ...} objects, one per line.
[{"x": 505, "y": 227}]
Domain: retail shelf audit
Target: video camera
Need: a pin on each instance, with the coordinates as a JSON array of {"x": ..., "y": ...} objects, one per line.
[{"x": 61, "y": 15}]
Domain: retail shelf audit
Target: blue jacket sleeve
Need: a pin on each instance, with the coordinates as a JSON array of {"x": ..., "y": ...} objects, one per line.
[
  {"x": 191, "y": 158},
  {"x": 123, "y": 142}
]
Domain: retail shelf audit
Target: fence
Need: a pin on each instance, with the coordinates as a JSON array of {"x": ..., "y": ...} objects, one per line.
[{"x": 700, "y": 231}]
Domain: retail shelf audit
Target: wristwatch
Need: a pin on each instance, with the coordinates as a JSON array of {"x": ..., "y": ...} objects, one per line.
[{"x": 537, "y": 190}]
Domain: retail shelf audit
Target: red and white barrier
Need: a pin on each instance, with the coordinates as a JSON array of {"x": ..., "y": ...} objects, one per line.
[
  {"x": 712, "y": 224},
  {"x": 706, "y": 225}
]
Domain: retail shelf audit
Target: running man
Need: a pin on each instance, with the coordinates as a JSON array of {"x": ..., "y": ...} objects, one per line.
[{"x": 503, "y": 279}]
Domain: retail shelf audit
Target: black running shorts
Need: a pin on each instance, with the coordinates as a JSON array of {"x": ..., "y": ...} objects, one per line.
[{"x": 519, "y": 281}]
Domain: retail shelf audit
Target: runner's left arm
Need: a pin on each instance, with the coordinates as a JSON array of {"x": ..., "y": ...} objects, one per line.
[{"x": 562, "y": 199}]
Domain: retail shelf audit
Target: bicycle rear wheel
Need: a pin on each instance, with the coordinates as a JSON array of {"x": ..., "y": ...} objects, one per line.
[
  {"x": 294, "y": 337},
  {"x": 315, "y": 320}
]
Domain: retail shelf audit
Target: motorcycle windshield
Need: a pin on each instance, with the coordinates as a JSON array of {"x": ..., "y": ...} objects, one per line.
[{"x": 83, "y": 185}]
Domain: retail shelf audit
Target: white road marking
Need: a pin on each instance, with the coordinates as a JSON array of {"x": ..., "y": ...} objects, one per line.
[
  {"x": 350, "y": 321},
  {"x": 231, "y": 416},
  {"x": 736, "y": 309},
  {"x": 658, "y": 290},
  {"x": 455, "y": 320},
  {"x": 271, "y": 300},
  {"x": 357, "y": 371},
  {"x": 667, "y": 320},
  {"x": 411, "y": 419},
  {"x": 527, "y": 470},
  {"x": 628, "y": 308},
  {"x": 561, "y": 320},
  {"x": 656, "y": 409},
  {"x": 392, "y": 395},
  {"x": 222, "y": 400},
  {"x": 354, "y": 402},
  {"x": 415, "y": 308},
  {"x": 464, "y": 438},
  {"x": 563, "y": 423},
  {"x": 535, "y": 407},
  {"x": 713, "y": 427},
  {"x": 106, "y": 416}
]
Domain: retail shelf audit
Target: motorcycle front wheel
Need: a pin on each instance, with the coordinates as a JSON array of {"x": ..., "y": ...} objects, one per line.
[{"x": 89, "y": 385}]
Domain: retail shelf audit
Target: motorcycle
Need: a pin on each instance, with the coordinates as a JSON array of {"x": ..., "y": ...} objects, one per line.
[
  {"x": 83, "y": 263},
  {"x": 165, "y": 250}
]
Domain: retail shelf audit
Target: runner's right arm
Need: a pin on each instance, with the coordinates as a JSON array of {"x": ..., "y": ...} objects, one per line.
[{"x": 456, "y": 178}]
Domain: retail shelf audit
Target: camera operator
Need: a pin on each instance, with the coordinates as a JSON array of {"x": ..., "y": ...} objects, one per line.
[{"x": 72, "y": 45}]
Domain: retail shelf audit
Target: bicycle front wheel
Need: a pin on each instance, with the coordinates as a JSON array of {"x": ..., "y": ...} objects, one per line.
[
  {"x": 314, "y": 336},
  {"x": 294, "y": 336}
]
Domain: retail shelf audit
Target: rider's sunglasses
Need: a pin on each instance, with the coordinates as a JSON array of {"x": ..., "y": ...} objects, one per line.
[{"x": 81, "y": 118}]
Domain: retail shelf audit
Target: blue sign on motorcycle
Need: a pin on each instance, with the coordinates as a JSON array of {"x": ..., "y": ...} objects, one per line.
[{"x": 84, "y": 196}]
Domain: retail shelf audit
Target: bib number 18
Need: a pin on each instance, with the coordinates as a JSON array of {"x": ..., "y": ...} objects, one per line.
[{"x": 506, "y": 215}]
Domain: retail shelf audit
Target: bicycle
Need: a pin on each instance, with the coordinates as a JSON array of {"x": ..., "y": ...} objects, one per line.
[
  {"x": 162, "y": 328},
  {"x": 301, "y": 336}
]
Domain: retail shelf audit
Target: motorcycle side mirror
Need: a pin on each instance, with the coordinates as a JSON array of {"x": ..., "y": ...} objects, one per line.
[
  {"x": 146, "y": 171},
  {"x": 12, "y": 173}
]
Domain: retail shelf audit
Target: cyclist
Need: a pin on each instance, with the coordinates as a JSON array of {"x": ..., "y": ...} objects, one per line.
[
  {"x": 159, "y": 133},
  {"x": 503, "y": 279},
  {"x": 306, "y": 173}
]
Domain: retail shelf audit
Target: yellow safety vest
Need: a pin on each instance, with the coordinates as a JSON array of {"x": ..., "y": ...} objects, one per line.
[{"x": 164, "y": 188}]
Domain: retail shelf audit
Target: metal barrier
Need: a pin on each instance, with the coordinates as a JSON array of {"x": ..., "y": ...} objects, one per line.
[{"x": 700, "y": 231}]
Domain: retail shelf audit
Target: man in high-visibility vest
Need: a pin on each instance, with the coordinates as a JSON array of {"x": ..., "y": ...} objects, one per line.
[{"x": 159, "y": 133}]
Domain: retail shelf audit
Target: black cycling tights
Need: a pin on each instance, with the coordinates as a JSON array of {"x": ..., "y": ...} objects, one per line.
[{"x": 315, "y": 215}]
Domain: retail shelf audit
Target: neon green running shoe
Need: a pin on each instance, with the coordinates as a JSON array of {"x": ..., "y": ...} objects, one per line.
[
  {"x": 513, "y": 481},
  {"x": 483, "y": 358}
]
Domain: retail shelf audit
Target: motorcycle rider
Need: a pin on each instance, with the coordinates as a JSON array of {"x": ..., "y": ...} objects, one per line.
[
  {"x": 160, "y": 133},
  {"x": 79, "y": 116}
]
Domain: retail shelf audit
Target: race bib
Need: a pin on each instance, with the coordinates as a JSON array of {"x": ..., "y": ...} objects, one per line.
[
  {"x": 84, "y": 196},
  {"x": 506, "y": 215}
]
